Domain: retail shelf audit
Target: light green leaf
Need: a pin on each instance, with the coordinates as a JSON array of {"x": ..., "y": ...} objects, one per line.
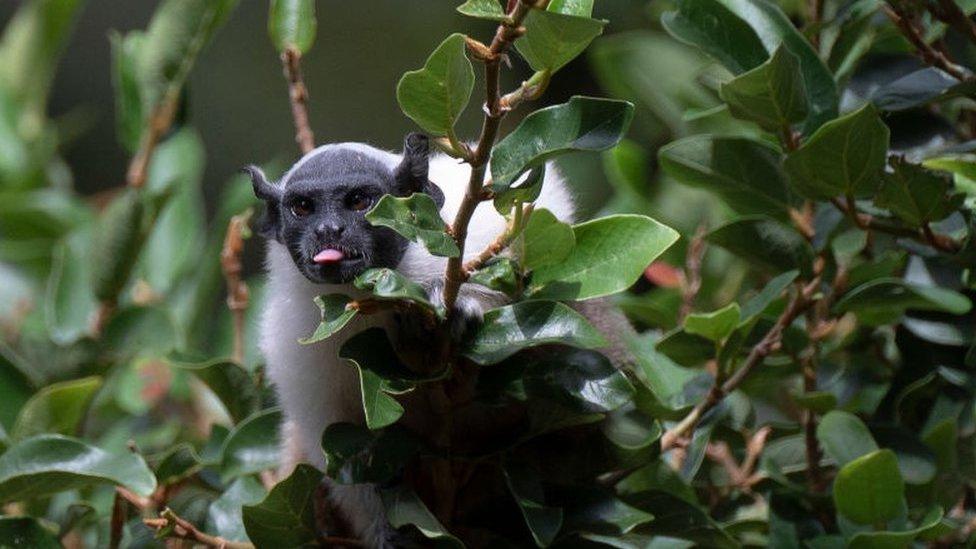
[
  {"x": 253, "y": 446},
  {"x": 286, "y": 517},
  {"x": 435, "y": 95},
  {"x": 870, "y": 490},
  {"x": 48, "y": 464},
  {"x": 819, "y": 402},
  {"x": 844, "y": 437},
  {"x": 545, "y": 241},
  {"x": 610, "y": 254},
  {"x": 582, "y": 8},
  {"x": 69, "y": 301},
  {"x": 404, "y": 507},
  {"x": 553, "y": 39},
  {"x": 229, "y": 381},
  {"x": 129, "y": 116},
  {"x": 771, "y": 95},
  {"x": 389, "y": 284},
  {"x": 886, "y": 299},
  {"x": 291, "y": 24},
  {"x": 764, "y": 243},
  {"x": 844, "y": 157},
  {"x": 498, "y": 275},
  {"x": 718, "y": 31},
  {"x": 509, "y": 329},
  {"x": 336, "y": 313},
  {"x": 716, "y": 325},
  {"x": 57, "y": 408},
  {"x": 917, "y": 195},
  {"x": 416, "y": 218},
  {"x": 543, "y": 521},
  {"x": 225, "y": 514},
  {"x": 483, "y": 9}
]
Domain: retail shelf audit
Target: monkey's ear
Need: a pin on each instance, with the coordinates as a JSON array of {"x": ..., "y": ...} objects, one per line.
[
  {"x": 411, "y": 174},
  {"x": 271, "y": 194}
]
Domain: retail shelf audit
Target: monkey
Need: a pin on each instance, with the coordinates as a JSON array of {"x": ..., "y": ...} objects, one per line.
[{"x": 319, "y": 241}]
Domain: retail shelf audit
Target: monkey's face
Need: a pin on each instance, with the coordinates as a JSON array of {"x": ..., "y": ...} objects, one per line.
[{"x": 318, "y": 210}]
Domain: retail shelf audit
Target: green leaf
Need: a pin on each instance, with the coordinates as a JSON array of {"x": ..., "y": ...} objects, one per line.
[
  {"x": 917, "y": 195},
  {"x": 483, "y": 9},
  {"x": 899, "y": 539},
  {"x": 770, "y": 292},
  {"x": 140, "y": 330},
  {"x": 627, "y": 167},
  {"x": 686, "y": 349},
  {"x": 545, "y": 240},
  {"x": 116, "y": 244},
  {"x": 389, "y": 284},
  {"x": 69, "y": 300},
  {"x": 48, "y": 464},
  {"x": 579, "y": 380},
  {"x": 870, "y": 490},
  {"x": 404, "y": 507},
  {"x": 819, "y": 402},
  {"x": 886, "y": 299},
  {"x": 178, "y": 463},
  {"x": 509, "y": 329},
  {"x": 844, "y": 157},
  {"x": 747, "y": 174},
  {"x": 610, "y": 254},
  {"x": 498, "y": 275},
  {"x": 919, "y": 88},
  {"x": 356, "y": 455},
  {"x": 543, "y": 521},
  {"x": 583, "y": 8},
  {"x": 286, "y": 517},
  {"x": 416, "y": 218},
  {"x": 582, "y": 124},
  {"x": 129, "y": 115},
  {"x": 16, "y": 388},
  {"x": 336, "y": 313},
  {"x": 229, "y": 381},
  {"x": 771, "y": 95},
  {"x": 553, "y": 39},
  {"x": 718, "y": 31},
  {"x": 252, "y": 446},
  {"x": 435, "y": 95},
  {"x": 844, "y": 437},
  {"x": 57, "y": 408},
  {"x": 291, "y": 24},
  {"x": 716, "y": 325},
  {"x": 26, "y": 532},
  {"x": 225, "y": 514},
  {"x": 764, "y": 243},
  {"x": 675, "y": 517}
]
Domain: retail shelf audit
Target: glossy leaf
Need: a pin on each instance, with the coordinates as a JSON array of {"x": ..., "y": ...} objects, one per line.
[
  {"x": 582, "y": 124},
  {"x": 543, "y": 521},
  {"x": 579, "y": 379},
  {"x": 844, "y": 157},
  {"x": 253, "y": 446},
  {"x": 336, "y": 313},
  {"x": 404, "y": 507},
  {"x": 900, "y": 538},
  {"x": 610, "y": 254},
  {"x": 844, "y": 437},
  {"x": 553, "y": 39},
  {"x": 919, "y": 88},
  {"x": 435, "y": 95},
  {"x": 390, "y": 284},
  {"x": 225, "y": 514},
  {"x": 869, "y": 489},
  {"x": 545, "y": 240},
  {"x": 771, "y": 95},
  {"x": 716, "y": 325},
  {"x": 917, "y": 195},
  {"x": 380, "y": 373},
  {"x": 178, "y": 463},
  {"x": 57, "y": 408},
  {"x": 356, "y": 455},
  {"x": 229, "y": 381},
  {"x": 48, "y": 464},
  {"x": 747, "y": 174},
  {"x": 416, "y": 218},
  {"x": 718, "y": 31},
  {"x": 286, "y": 517},
  {"x": 770, "y": 292},
  {"x": 291, "y": 24},
  {"x": 498, "y": 275},
  {"x": 509, "y": 329},
  {"x": 764, "y": 243},
  {"x": 483, "y": 9},
  {"x": 888, "y": 298}
]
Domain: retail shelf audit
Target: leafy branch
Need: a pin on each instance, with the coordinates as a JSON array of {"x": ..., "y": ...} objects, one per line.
[{"x": 868, "y": 222}]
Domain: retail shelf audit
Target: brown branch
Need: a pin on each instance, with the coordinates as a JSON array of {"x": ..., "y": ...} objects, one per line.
[
  {"x": 182, "y": 529},
  {"x": 119, "y": 511},
  {"x": 925, "y": 235},
  {"x": 949, "y": 12},
  {"x": 691, "y": 279},
  {"x": 291, "y": 60},
  {"x": 674, "y": 437},
  {"x": 237, "y": 292},
  {"x": 501, "y": 242},
  {"x": 743, "y": 476},
  {"x": 929, "y": 55},
  {"x": 159, "y": 123}
]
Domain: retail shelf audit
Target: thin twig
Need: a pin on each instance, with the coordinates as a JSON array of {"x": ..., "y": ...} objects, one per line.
[
  {"x": 182, "y": 529},
  {"x": 119, "y": 509},
  {"x": 291, "y": 60},
  {"x": 691, "y": 279},
  {"x": 930, "y": 55},
  {"x": 501, "y": 242},
  {"x": 237, "y": 292},
  {"x": 676, "y": 435},
  {"x": 950, "y": 13},
  {"x": 867, "y": 222}
]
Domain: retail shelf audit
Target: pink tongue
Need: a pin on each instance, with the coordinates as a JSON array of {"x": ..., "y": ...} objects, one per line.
[{"x": 328, "y": 255}]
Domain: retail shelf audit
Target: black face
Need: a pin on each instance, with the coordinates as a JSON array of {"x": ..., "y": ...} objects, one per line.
[{"x": 319, "y": 212}]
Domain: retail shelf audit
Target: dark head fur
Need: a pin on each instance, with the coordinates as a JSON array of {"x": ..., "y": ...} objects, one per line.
[{"x": 322, "y": 203}]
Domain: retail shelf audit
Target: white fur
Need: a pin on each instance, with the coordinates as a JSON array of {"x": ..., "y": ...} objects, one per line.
[{"x": 315, "y": 387}]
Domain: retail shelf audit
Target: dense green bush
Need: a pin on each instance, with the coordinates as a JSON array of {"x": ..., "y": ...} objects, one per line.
[{"x": 802, "y": 372}]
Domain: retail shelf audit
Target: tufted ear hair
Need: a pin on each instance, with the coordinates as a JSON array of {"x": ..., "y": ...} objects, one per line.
[
  {"x": 270, "y": 223},
  {"x": 411, "y": 174}
]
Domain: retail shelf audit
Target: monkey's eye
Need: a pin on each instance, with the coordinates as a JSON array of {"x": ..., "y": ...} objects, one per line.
[
  {"x": 301, "y": 207},
  {"x": 358, "y": 201}
]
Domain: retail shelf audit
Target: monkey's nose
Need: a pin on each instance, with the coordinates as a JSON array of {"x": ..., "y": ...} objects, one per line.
[{"x": 329, "y": 230}]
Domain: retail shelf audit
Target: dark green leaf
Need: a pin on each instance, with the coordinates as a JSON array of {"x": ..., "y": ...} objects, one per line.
[
  {"x": 545, "y": 240},
  {"x": 116, "y": 244},
  {"x": 771, "y": 95},
  {"x": 178, "y": 463},
  {"x": 677, "y": 518},
  {"x": 286, "y": 517},
  {"x": 48, "y": 464},
  {"x": 483, "y": 9},
  {"x": 140, "y": 330},
  {"x": 610, "y": 254},
  {"x": 16, "y": 388},
  {"x": 356, "y": 455},
  {"x": 579, "y": 380},
  {"x": 844, "y": 157},
  {"x": 129, "y": 116},
  {"x": 336, "y": 313},
  {"x": 747, "y": 174},
  {"x": 253, "y": 446},
  {"x": 225, "y": 514},
  {"x": 720, "y": 33},
  {"x": 509, "y": 329},
  {"x": 291, "y": 24},
  {"x": 498, "y": 275},
  {"x": 917, "y": 195},
  {"x": 844, "y": 437},
  {"x": 57, "y": 408},
  {"x": 543, "y": 521},
  {"x": 686, "y": 349},
  {"x": 70, "y": 301},
  {"x": 582, "y": 124},
  {"x": 920, "y": 88},
  {"x": 627, "y": 167},
  {"x": 416, "y": 218},
  {"x": 716, "y": 325},
  {"x": 886, "y": 299},
  {"x": 819, "y": 402},
  {"x": 553, "y": 39},
  {"x": 389, "y": 284},
  {"x": 869, "y": 490},
  {"x": 229, "y": 381},
  {"x": 899, "y": 539},
  {"x": 404, "y": 507},
  {"x": 761, "y": 301},
  {"x": 435, "y": 95},
  {"x": 764, "y": 243},
  {"x": 26, "y": 532}
]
